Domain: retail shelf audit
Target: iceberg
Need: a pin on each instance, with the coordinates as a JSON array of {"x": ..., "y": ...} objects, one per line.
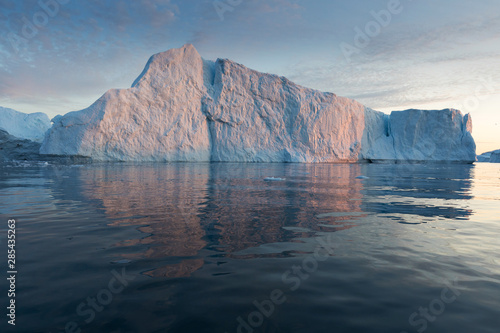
[
  {"x": 439, "y": 136},
  {"x": 185, "y": 108},
  {"x": 495, "y": 157},
  {"x": 158, "y": 119},
  {"x": 24, "y": 126},
  {"x": 273, "y": 179},
  {"x": 490, "y": 157}
]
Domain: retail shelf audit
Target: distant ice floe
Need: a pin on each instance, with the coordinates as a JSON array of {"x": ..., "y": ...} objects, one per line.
[{"x": 273, "y": 179}]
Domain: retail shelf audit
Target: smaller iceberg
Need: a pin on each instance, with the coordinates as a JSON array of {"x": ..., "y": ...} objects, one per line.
[
  {"x": 490, "y": 157},
  {"x": 24, "y": 126}
]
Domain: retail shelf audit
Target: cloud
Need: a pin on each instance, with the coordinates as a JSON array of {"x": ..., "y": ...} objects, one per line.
[
  {"x": 91, "y": 46},
  {"x": 85, "y": 49},
  {"x": 412, "y": 64},
  {"x": 78, "y": 24},
  {"x": 411, "y": 41}
]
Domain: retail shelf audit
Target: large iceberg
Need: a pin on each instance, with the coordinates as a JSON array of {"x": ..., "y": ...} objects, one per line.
[
  {"x": 24, "y": 126},
  {"x": 185, "y": 108}
]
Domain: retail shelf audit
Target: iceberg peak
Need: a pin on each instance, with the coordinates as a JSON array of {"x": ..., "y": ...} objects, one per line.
[{"x": 167, "y": 63}]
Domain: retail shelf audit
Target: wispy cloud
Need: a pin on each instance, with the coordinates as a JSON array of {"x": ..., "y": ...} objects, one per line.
[
  {"x": 412, "y": 64},
  {"x": 433, "y": 51},
  {"x": 84, "y": 49}
]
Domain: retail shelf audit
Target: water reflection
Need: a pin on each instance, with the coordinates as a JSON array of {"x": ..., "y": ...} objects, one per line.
[
  {"x": 163, "y": 202},
  {"x": 224, "y": 237},
  {"x": 242, "y": 210},
  {"x": 185, "y": 210},
  {"x": 418, "y": 193}
]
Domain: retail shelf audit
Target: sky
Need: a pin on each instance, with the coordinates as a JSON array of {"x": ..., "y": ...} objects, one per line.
[{"x": 58, "y": 56}]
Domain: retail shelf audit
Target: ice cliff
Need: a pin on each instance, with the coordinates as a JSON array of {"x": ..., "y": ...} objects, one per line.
[
  {"x": 24, "y": 126},
  {"x": 185, "y": 108},
  {"x": 419, "y": 135}
]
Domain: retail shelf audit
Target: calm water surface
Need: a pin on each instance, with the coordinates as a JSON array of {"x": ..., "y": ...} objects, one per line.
[{"x": 216, "y": 248}]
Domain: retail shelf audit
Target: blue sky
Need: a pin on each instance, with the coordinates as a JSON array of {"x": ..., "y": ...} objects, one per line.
[{"x": 425, "y": 54}]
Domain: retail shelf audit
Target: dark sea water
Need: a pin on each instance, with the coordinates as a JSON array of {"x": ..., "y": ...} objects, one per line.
[{"x": 216, "y": 248}]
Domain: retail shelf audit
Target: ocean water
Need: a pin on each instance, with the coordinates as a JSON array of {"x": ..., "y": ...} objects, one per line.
[{"x": 217, "y": 248}]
